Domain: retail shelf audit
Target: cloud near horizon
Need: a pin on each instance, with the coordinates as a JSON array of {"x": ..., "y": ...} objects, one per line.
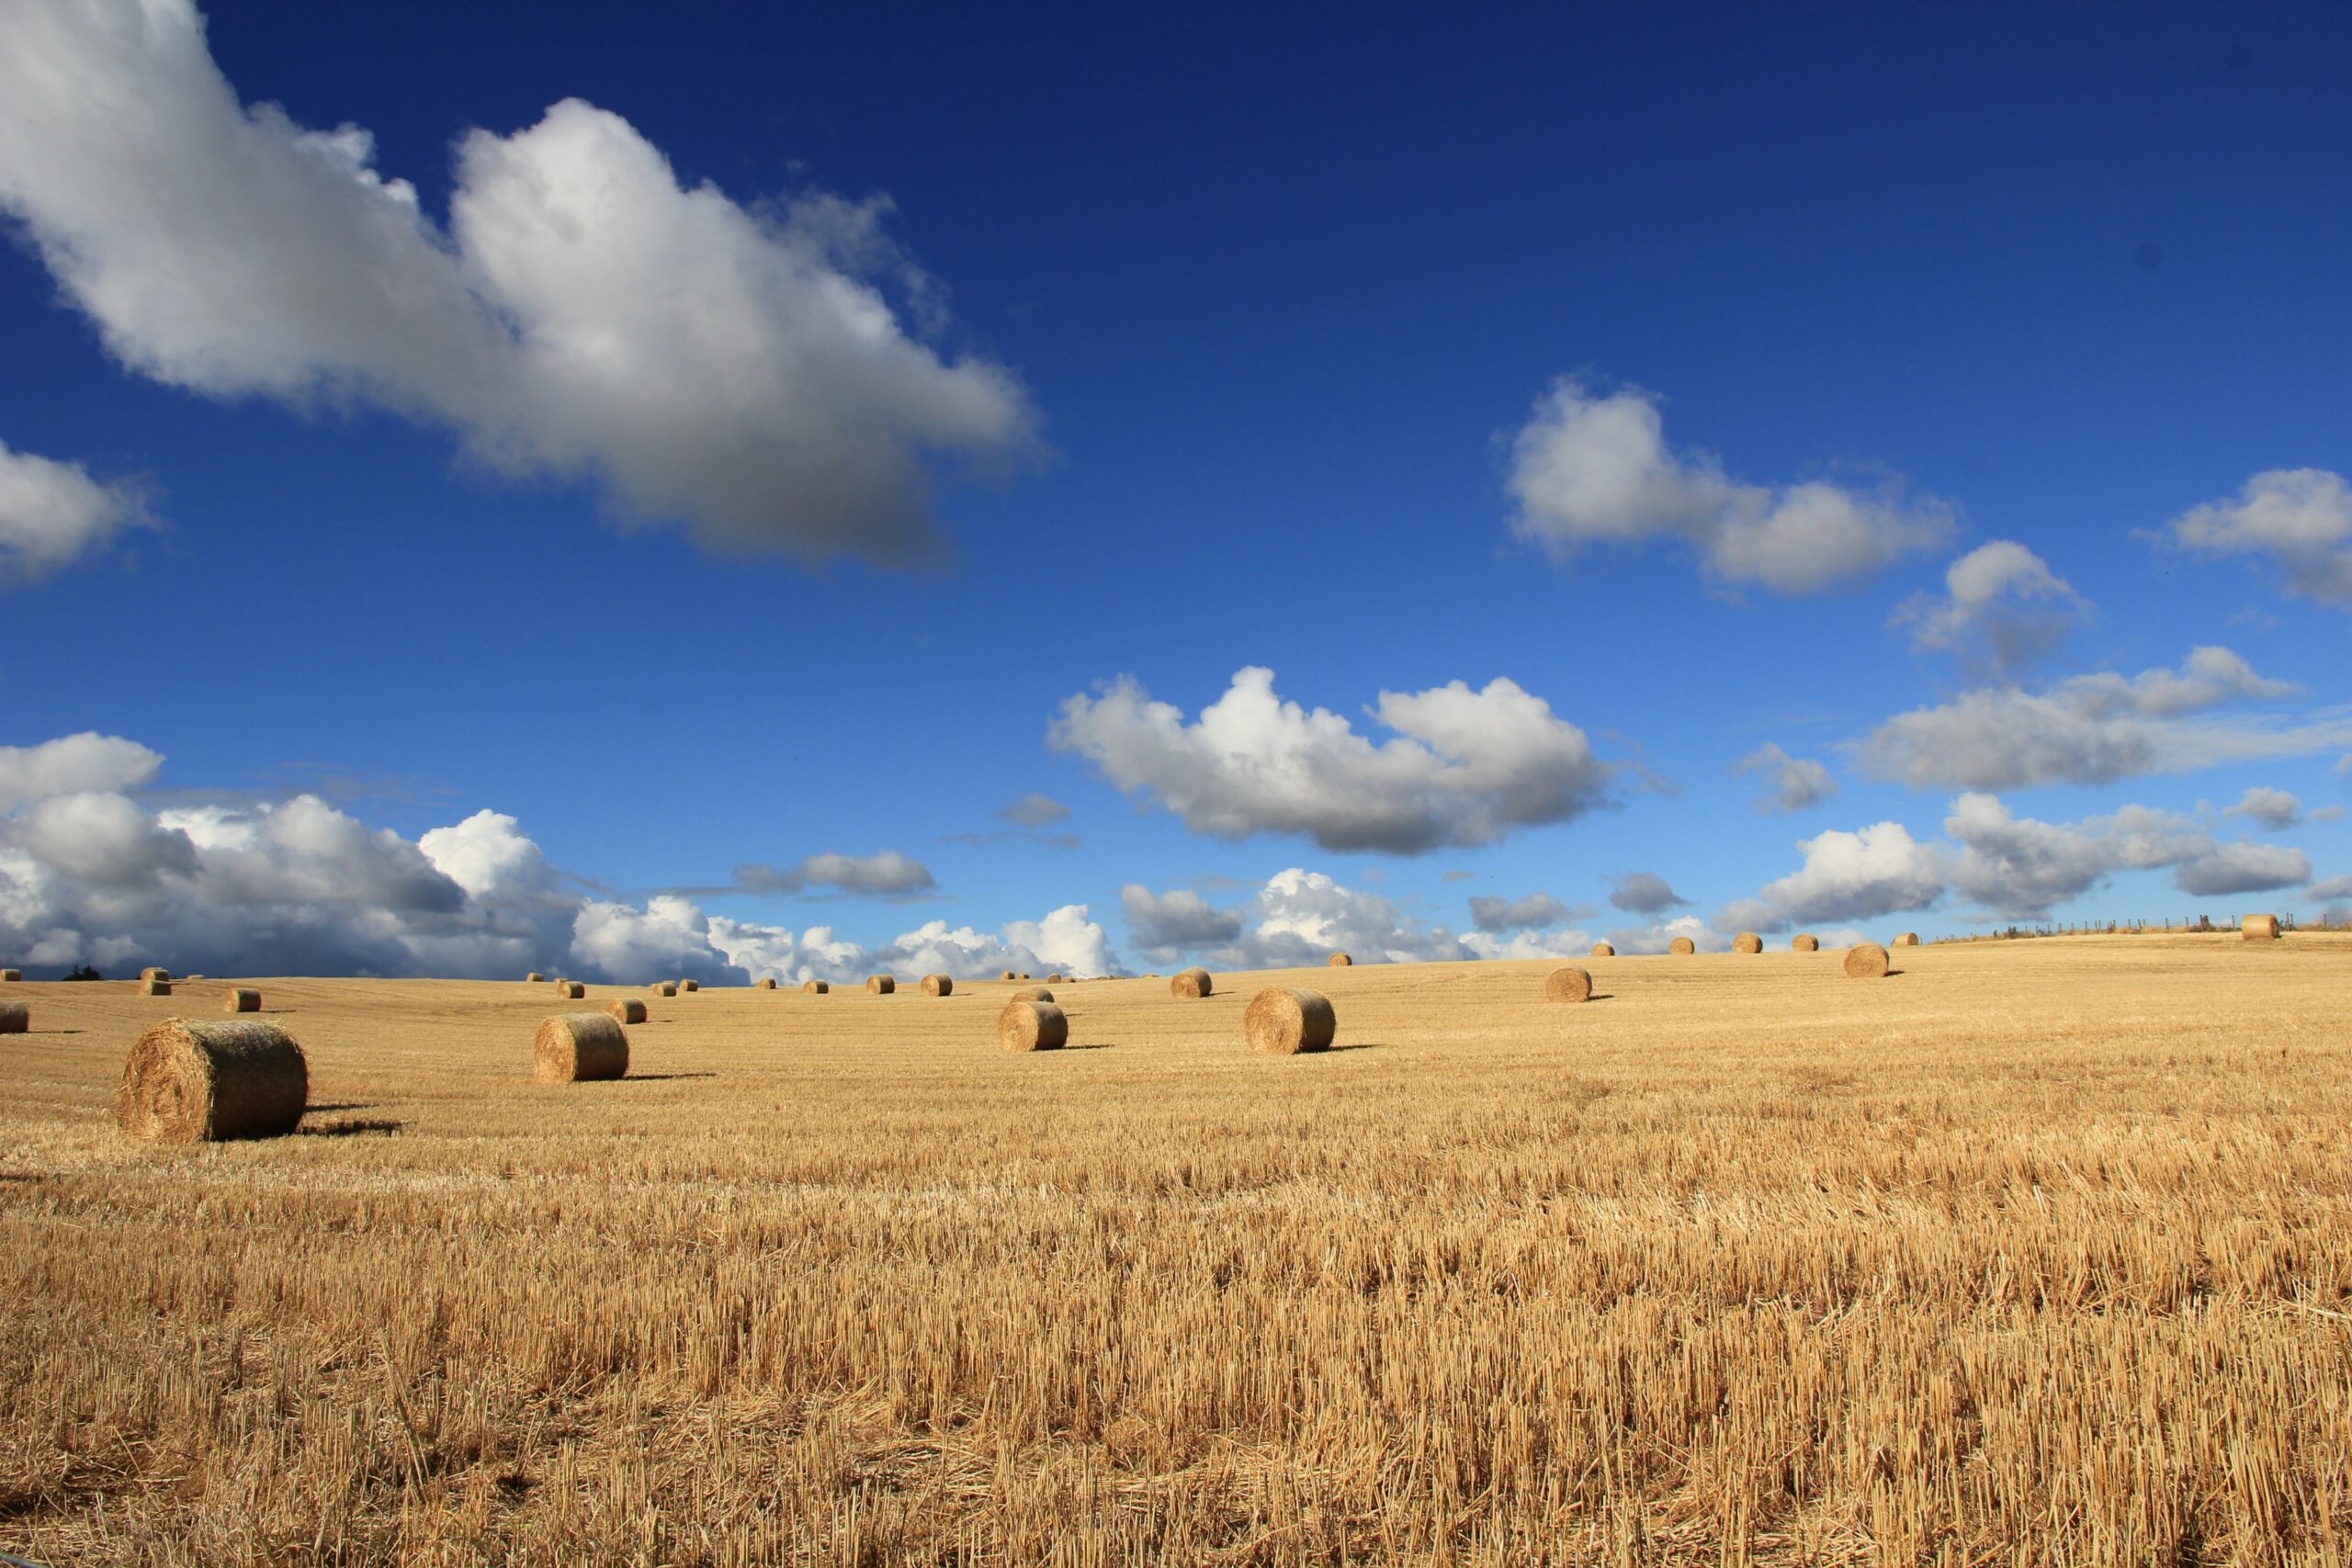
[{"x": 738, "y": 371}]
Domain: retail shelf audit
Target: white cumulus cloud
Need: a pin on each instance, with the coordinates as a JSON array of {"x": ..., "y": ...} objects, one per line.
[
  {"x": 1591, "y": 468},
  {"x": 1464, "y": 768},
  {"x": 72, "y": 762},
  {"x": 2002, "y": 609},
  {"x": 2299, "y": 519},
  {"x": 53, "y": 513},
  {"x": 2274, "y": 808}
]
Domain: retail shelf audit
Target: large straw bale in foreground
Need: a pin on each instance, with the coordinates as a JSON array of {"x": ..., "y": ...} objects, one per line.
[
  {"x": 190, "y": 1083},
  {"x": 1286, "y": 1020},
  {"x": 15, "y": 1018},
  {"x": 1192, "y": 982},
  {"x": 1747, "y": 942},
  {"x": 938, "y": 986},
  {"x": 574, "y": 1047},
  {"x": 1569, "y": 984},
  {"x": 1866, "y": 961},
  {"x": 1339, "y": 960},
  {"x": 1805, "y": 942},
  {"x": 815, "y": 987},
  {"x": 881, "y": 985},
  {"x": 2258, "y": 928},
  {"x": 1025, "y": 1025},
  {"x": 628, "y": 1009},
  {"x": 1682, "y": 947},
  {"x": 240, "y": 999}
]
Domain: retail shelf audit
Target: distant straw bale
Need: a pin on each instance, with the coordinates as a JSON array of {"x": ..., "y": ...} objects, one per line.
[
  {"x": 1193, "y": 982},
  {"x": 574, "y": 1048},
  {"x": 1286, "y": 1020},
  {"x": 1747, "y": 942},
  {"x": 154, "y": 974},
  {"x": 1027, "y": 1025},
  {"x": 881, "y": 985},
  {"x": 1569, "y": 983},
  {"x": 1682, "y": 947},
  {"x": 571, "y": 990},
  {"x": 815, "y": 987},
  {"x": 1804, "y": 941},
  {"x": 1866, "y": 961},
  {"x": 1907, "y": 939},
  {"x": 15, "y": 1018},
  {"x": 690, "y": 984},
  {"x": 1603, "y": 950},
  {"x": 11, "y": 974},
  {"x": 240, "y": 999},
  {"x": 663, "y": 988},
  {"x": 155, "y": 988},
  {"x": 765, "y": 982},
  {"x": 535, "y": 978},
  {"x": 628, "y": 1009},
  {"x": 1339, "y": 960},
  {"x": 2258, "y": 928},
  {"x": 938, "y": 986},
  {"x": 188, "y": 1083},
  {"x": 1007, "y": 974}
]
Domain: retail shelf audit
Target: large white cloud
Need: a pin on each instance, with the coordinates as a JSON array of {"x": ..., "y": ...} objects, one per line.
[
  {"x": 2002, "y": 609},
  {"x": 1591, "y": 468},
  {"x": 2021, "y": 868},
  {"x": 52, "y": 514},
  {"x": 1299, "y": 918},
  {"x": 2094, "y": 729},
  {"x": 83, "y": 762},
  {"x": 2300, "y": 519},
  {"x": 1466, "y": 767},
  {"x": 1879, "y": 869},
  {"x": 2243, "y": 868},
  {"x": 583, "y": 314}
]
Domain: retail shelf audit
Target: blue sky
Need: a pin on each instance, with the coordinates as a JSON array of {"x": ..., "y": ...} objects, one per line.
[{"x": 749, "y": 466}]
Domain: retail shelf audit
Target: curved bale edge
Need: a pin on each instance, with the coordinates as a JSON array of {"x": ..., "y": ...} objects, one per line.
[
  {"x": 1192, "y": 983},
  {"x": 1569, "y": 983},
  {"x": 1866, "y": 961},
  {"x": 1027, "y": 1025},
  {"x": 578, "y": 1047},
  {"x": 186, "y": 1082},
  {"x": 1285, "y": 1021},
  {"x": 628, "y": 1009},
  {"x": 938, "y": 986}
]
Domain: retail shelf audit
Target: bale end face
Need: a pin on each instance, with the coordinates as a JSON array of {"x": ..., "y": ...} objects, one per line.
[
  {"x": 155, "y": 988},
  {"x": 1339, "y": 960},
  {"x": 15, "y": 1018},
  {"x": 240, "y": 999},
  {"x": 663, "y": 988},
  {"x": 938, "y": 986},
  {"x": 881, "y": 985},
  {"x": 690, "y": 984},
  {"x": 1284, "y": 1021},
  {"x": 1908, "y": 939},
  {"x": 574, "y": 1047},
  {"x": 763, "y": 985},
  {"x": 1805, "y": 944},
  {"x": 1007, "y": 974},
  {"x": 1027, "y": 1025},
  {"x": 2258, "y": 928},
  {"x": 815, "y": 987},
  {"x": 571, "y": 990},
  {"x": 1195, "y": 982},
  {"x": 1747, "y": 942},
  {"x": 1568, "y": 984},
  {"x": 1866, "y": 961},
  {"x": 535, "y": 978},
  {"x": 628, "y": 1009},
  {"x": 11, "y": 974},
  {"x": 189, "y": 1083},
  {"x": 1682, "y": 947}
]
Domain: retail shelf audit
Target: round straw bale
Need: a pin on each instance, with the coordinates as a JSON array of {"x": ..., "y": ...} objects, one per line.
[
  {"x": 2258, "y": 928},
  {"x": 571, "y": 990},
  {"x": 1907, "y": 939},
  {"x": 1053, "y": 979},
  {"x": 1025, "y": 1025},
  {"x": 154, "y": 974},
  {"x": 572, "y": 1047},
  {"x": 881, "y": 985},
  {"x": 1603, "y": 950},
  {"x": 628, "y": 1009},
  {"x": 1286, "y": 1020},
  {"x": 155, "y": 988},
  {"x": 1193, "y": 982},
  {"x": 15, "y": 1018},
  {"x": 188, "y": 1083},
  {"x": 1804, "y": 941},
  {"x": 1339, "y": 960},
  {"x": 663, "y": 988},
  {"x": 535, "y": 978},
  {"x": 11, "y": 974},
  {"x": 1866, "y": 961},
  {"x": 1747, "y": 942},
  {"x": 1033, "y": 994},
  {"x": 1682, "y": 947},
  {"x": 1568, "y": 984},
  {"x": 815, "y": 987},
  {"x": 690, "y": 984},
  {"x": 764, "y": 984},
  {"x": 1007, "y": 974},
  {"x": 938, "y": 986},
  {"x": 240, "y": 999}
]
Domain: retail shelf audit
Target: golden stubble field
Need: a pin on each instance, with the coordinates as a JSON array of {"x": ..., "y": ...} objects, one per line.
[{"x": 2034, "y": 1253}]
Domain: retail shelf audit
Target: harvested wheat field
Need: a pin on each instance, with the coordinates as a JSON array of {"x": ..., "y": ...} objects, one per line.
[{"x": 2030, "y": 1253}]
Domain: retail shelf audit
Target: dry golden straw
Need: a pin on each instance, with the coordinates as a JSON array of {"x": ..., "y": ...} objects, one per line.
[
  {"x": 764, "y": 984},
  {"x": 1007, "y": 974},
  {"x": 1192, "y": 982},
  {"x": 574, "y": 1047},
  {"x": 535, "y": 978},
  {"x": 881, "y": 985},
  {"x": 2258, "y": 928},
  {"x": 663, "y": 988},
  {"x": 1866, "y": 961},
  {"x": 1286, "y": 1020},
  {"x": 154, "y": 974},
  {"x": 690, "y": 984},
  {"x": 938, "y": 986},
  {"x": 1682, "y": 947},
  {"x": 189, "y": 1083},
  {"x": 1805, "y": 942},
  {"x": 1747, "y": 942},
  {"x": 1603, "y": 950},
  {"x": 1339, "y": 960},
  {"x": 240, "y": 999},
  {"x": 1053, "y": 979},
  {"x": 815, "y": 987},
  {"x": 15, "y": 1018},
  {"x": 11, "y": 974},
  {"x": 1025, "y": 1025},
  {"x": 1568, "y": 984},
  {"x": 155, "y": 988},
  {"x": 1033, "y": 994},
  {"x": 628, "y": 1009},
  {"x": 1907, "y": 939},
  {"x": 571, "y": 990}
]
